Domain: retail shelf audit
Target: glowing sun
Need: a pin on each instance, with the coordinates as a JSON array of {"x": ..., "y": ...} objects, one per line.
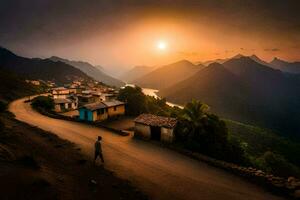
[{"x": 161, "y": 45}]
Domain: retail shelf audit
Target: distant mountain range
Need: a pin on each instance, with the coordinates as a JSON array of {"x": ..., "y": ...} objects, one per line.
[
  {"x": 276, "y": 63},
  {"x": 35, "y": 68},
  {"x": 244, "y": 90},
  {"x": 282, "y": 65},
  {"x": 92, "y": 71},
  {"x": 168, "y": 75},
  {"x": 135, "y": 73}
]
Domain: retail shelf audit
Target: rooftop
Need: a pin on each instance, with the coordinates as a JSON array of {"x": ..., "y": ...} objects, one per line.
[
  {"x": 94, "y": 106},
  {"x": 104, "y": 104},
  {"x": 113, "y": 103},
  {"x": 59, "y": 100},
  {"x": 154, "y": 120}
]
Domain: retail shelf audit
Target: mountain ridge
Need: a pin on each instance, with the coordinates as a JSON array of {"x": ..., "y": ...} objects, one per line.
[
  {"x": 90, "y": 70},
  {"x": 45, "y": 69}
]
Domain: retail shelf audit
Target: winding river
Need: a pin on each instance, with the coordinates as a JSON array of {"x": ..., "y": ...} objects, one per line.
[{"x": 152, "y": 92}]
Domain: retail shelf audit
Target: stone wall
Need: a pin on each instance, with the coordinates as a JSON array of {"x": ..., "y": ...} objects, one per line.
[{"x": 283, "y": 186}]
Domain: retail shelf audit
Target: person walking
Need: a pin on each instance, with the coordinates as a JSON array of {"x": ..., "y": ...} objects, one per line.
[{"x": 98, "y": 150}]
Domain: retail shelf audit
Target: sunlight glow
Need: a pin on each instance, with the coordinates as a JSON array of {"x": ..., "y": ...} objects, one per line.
[{"x": 161, "y": 45}]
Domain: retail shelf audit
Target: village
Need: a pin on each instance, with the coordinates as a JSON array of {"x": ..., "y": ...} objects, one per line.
[{"x": 98, "y": 104}]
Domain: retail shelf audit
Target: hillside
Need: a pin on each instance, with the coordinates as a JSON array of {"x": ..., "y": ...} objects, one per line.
[
  {"x": 13, "y": 86},
  {"x": 244, "y": 90},
  {"x": 284, "y": 66},
  {"x": 167, "y": 75},
  {"x": 135, "y": 73},
  {"x": 44, "y": 69},
  {"x": 90, "y": 70}
]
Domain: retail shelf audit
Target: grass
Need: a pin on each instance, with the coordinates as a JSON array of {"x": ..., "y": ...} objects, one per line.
[{"x": 258, "y": 140}]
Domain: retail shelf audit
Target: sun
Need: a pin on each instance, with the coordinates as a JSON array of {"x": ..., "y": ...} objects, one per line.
[{"x": 162, "y": 45}]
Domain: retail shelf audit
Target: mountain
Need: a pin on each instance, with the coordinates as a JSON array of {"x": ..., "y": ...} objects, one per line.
[
  {"x": 284, "y": 66},
  {"x": 91, "y": 70},
  {"x": 244, "y": 90},
  {"x": 13, "y": 86},
  {"x": 260, "y": 61},
  {"x": 135, "y": 73},
  {"x": 168, "y": 75},
  {"x": 221, "y": 61},
  {"x": 35, "y": 68}
]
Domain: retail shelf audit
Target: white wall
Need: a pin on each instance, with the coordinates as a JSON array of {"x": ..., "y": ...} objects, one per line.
[
  {"x": 167, "y": 135},
  {"x": 142, "y": 131}
]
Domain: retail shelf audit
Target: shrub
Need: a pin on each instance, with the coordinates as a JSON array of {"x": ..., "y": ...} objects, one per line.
[
  {"x": 43, "y": 102},
  {"x": 276, "y": 164}
]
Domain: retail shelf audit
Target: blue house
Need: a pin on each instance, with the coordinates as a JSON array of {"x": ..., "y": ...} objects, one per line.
[{"x": 101, "y": 110}]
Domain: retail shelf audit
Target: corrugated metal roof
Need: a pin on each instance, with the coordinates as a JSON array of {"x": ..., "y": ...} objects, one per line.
[
  {"x": 60, "y": 100},
  {"x": 104, "y": 104},
  {"x": 113, "y": 103},
  {"x": 94, "y": 106},
  {"x": 154, "y": 120}
]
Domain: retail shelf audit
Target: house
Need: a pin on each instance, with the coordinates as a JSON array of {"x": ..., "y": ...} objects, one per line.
[
  {"x": 108, "y": 97},
  {"x": 62, "y": 104},
  {"x": 62, "y": 92},
  {"x": 100, "y": 111},
  {"x": 154, "y": 127}
]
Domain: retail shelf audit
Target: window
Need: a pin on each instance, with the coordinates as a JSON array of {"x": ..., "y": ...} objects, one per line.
[
  {"x": 115, "y": 108},
  {"x": 100, "y": 111}
]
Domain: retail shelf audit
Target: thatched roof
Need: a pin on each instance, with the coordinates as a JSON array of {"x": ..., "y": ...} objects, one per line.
[{"x": 154, "y": 120}]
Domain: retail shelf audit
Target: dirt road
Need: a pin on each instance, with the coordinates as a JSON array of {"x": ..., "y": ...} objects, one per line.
[{"x": 159, "y": 172}]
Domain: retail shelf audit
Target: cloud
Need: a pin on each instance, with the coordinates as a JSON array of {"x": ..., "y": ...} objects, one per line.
[
  {"x": 272, "y": 49},
  {"x": 188, "y": 54}
]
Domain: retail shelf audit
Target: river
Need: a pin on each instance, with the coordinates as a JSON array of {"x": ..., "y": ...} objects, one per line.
[{"x": 152, "y": 92}]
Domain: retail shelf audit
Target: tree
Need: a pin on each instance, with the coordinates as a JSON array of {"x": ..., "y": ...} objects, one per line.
[
  {"x": 134, "y": 98},
  {"x": 43, "y": 102},
  {"x": 194, "y": 112}
]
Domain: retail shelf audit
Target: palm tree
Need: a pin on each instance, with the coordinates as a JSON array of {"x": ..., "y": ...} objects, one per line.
[{"x": 194, "y": 112}]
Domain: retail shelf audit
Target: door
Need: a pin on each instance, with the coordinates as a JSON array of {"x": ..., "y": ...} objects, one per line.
[{"x": 155, "y": 133}]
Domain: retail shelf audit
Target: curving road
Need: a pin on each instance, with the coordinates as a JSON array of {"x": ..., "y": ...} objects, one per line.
[{"x": 159, "y": 172}]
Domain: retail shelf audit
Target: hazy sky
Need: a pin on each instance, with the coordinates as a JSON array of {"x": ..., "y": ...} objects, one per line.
[{"x": 116, "y": 33}]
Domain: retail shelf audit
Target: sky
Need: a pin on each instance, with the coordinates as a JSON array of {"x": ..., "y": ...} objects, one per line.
[{"x": 119, "y": 34}]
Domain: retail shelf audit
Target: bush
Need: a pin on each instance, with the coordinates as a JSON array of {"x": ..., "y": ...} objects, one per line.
[
  {"x": 276, "y": 164},
  {"x": 3, "y": 105},
  {"x": 43, "y": 102}
]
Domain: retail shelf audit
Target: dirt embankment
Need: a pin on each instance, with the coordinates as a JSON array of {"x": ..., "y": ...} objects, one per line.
[{"x": 35, "y": 164}]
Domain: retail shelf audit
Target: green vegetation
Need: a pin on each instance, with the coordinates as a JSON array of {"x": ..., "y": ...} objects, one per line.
[
  {"x": 276, "y": 164},
  {"x": 203, "y": 132},
  {"x": 137, "y": 102},
  {"x": 197, "y": 130},
  {"x": 260, "y": 143},
  {"x": 43, "y": 102}
]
